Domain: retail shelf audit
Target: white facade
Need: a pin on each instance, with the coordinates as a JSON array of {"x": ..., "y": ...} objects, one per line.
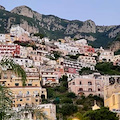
[
  {"x": 72, "y": 50},
  {"x": 23, "y": 52},
  {"x": 23, "y": 62},
  {"x": 2, "y": 38},
  {"x": 81, "y": 42},
  {"x": 17, "y": 31},
  {"x": 87, "y": 60},
  {"x": 106, "y": 56}
]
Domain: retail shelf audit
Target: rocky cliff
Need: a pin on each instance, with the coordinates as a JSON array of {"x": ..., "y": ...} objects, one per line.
[{"x": 55, "y": 27}]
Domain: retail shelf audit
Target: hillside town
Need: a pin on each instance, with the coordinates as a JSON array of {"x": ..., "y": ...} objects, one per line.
[{"x": 47, "y": 63}]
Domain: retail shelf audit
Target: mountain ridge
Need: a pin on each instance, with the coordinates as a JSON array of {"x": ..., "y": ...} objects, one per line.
[{"x": 55, "y": 27}]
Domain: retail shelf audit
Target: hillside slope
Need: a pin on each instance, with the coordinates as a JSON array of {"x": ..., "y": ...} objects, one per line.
[{"x": 55, "y": 27}]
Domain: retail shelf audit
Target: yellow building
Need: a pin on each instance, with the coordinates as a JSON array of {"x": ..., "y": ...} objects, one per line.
[
  {"x": 31, "y": 94},
  {"x": 112, "y": 95}
]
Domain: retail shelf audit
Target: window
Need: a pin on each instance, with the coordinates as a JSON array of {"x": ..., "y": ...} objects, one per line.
[
  {"x": 5, "y": 76},
  {"x": 27, "y": 99},
  {"x": 18, "y": 105},
  {"x": 36, "y": 100},
  {"x": 29, "y": 84},
  {"x": 89, "y": 89},
  {"x": 80, "y": 89},
  {"x": 16, "y": 84},
  {"x": 80, "y": 83},
  {"x": 73, "y": 83},
  {"x": 28, "y": 92},
  {"x": 20, "y": 99},
  {"x": 113, "y": 97},
  {"x": 89, "y": 83},
  {"x": 98, "y": 89}
]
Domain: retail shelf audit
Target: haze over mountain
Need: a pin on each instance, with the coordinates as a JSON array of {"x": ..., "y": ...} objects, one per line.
[{"x": 55, "y": 27}]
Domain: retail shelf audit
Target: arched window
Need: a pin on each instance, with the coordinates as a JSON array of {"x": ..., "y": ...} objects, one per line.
[
  {"x": 89, "y": 89},
  {"x": 113, "y": 98},
  {"x": 80, "y": 89}
]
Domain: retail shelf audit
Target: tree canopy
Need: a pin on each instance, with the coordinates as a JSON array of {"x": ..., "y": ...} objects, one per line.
[{"x": 101, "y": 114}]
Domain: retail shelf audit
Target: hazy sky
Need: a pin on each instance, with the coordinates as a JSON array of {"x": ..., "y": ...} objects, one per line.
[{"x": 102, "y": 12}]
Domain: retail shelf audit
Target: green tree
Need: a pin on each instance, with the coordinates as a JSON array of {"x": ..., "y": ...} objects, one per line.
[
  {"x": 68, "y": 109},
  {"x": 108, "y": 68},
  {"x": 66, "y": 100},
  {"x": 101, "y": 114},
  {"x": 85, "y": 71},
  {"x": 5, "y": 102},
  {"x": 71, "y": 95},
  {"x": 39, "y": 34}
]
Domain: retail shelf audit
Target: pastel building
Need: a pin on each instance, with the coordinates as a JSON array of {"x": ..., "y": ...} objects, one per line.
[
  {"x": 87, "y": 60},
  {"x": 25, "y": 62},
  {"x": 106, "y": 56},
  {"x": 48, "y": 77},
  {"x": 31, "y": 94},
  {"x": 49, "y": 110},
  {"x": 112, "y": 94},
  {"x": 87, "y": 84}
]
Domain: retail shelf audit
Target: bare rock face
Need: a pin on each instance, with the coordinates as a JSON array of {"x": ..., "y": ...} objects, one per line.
[
  {"x": 27, "y": 27},
  {"x": 115, "y": 46},
  {"x": 23, "y": 10},
  {"x": 90, "y": 38},
  {"x": 2, "y": 8},
  {"x": 115, "y": 30},
  {"x": 88, "y": 26},
  {"x": 26, "y": 11}
]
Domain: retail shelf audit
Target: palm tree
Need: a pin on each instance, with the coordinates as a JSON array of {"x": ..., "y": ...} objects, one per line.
[
  {"x": 5, "y": 102},
  {"x": 10, "y": 64}
]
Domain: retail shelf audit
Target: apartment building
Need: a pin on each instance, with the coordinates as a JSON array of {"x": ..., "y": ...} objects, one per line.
[
  {"x": 23, "y": 62},
  {"x": 87, "y": 60},
  {"x": 48, "y": 76},
  {"x": 31, "y": 94},
  {"x": 9, "y": 50},
  {"x": 87, "y": 84}
]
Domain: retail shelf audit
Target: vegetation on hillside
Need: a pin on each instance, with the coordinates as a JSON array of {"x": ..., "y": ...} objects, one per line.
[{"x": 107, "y": 68}]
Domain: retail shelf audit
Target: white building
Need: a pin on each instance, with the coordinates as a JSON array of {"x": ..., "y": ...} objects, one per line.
[
  {"x": 17, "y": 31},
  {"x": 2, "y": 38},
  {"x": 23, "y": 52},
  {"x": 106, "y": 56},
  {"x": 81, "y": 42},
  {"x": 87, "y": 60},
  {"x": 72, "y": 50},
  {"x": 23, "y": 62}
]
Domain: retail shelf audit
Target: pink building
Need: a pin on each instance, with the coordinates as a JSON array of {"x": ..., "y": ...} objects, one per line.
[{"x": 86, "y": 85}]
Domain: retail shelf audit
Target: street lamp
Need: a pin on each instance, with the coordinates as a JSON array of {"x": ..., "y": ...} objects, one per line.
[{"x": 75, "y": 118}]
